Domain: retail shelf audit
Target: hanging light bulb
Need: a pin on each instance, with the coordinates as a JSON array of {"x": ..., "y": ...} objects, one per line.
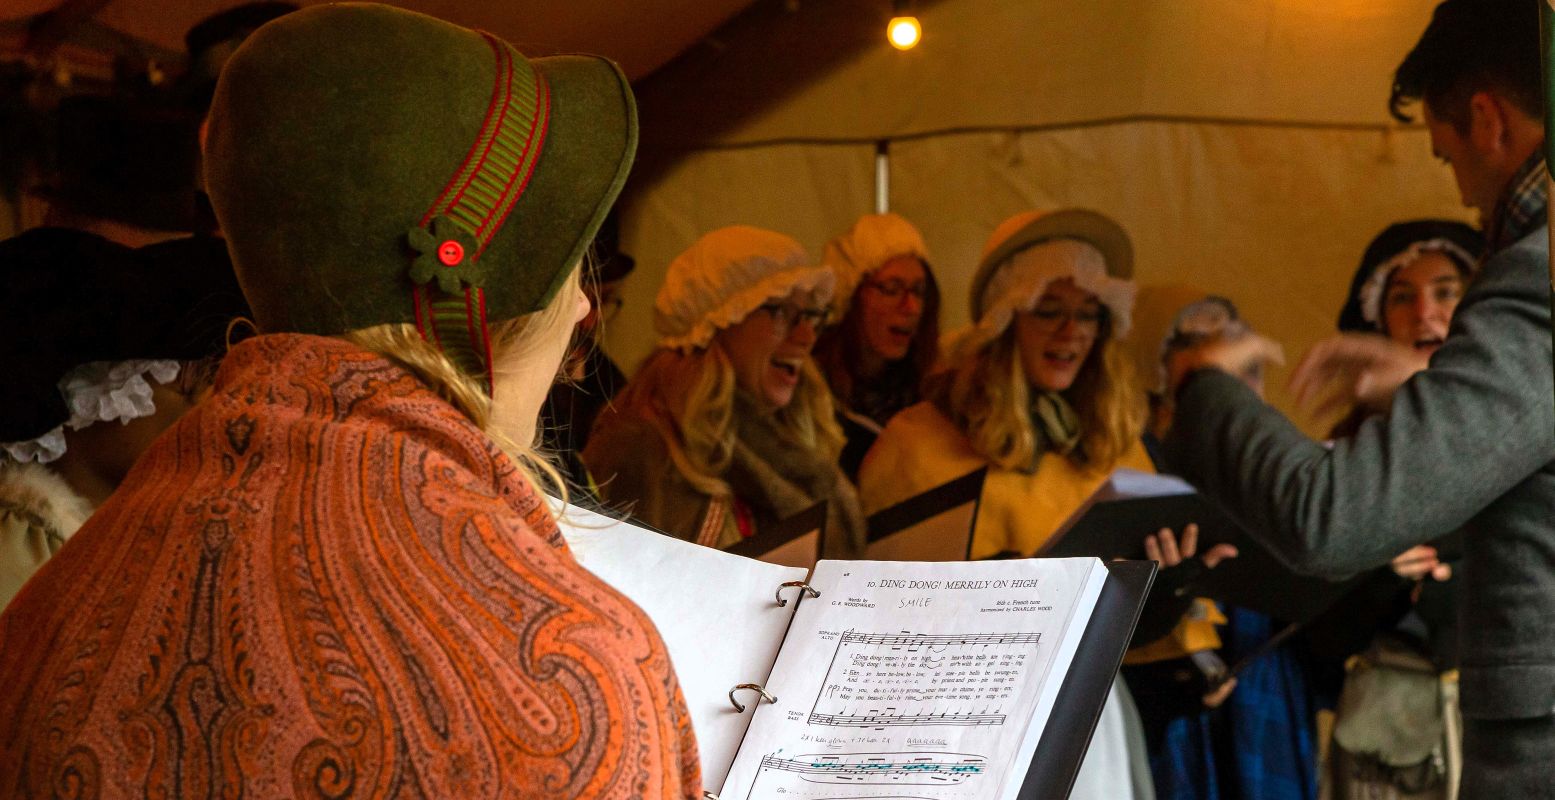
[{"x": 903, "y": 31}]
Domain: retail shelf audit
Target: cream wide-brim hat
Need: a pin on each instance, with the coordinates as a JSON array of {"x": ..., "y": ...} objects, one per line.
[{"x": 1032, "y": 249}]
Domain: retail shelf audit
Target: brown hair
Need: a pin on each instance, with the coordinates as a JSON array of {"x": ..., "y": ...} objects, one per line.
[{"x": 839, "y": 351}]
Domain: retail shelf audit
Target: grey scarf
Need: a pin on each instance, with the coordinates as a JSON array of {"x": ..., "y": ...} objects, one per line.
[{"x": 780, "y": 477}]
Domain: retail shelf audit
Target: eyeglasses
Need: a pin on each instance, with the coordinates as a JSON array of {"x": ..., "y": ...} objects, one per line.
[
  {"x": 790, "y": 316},
  {"x": 894, "y": 289},
  {"x": 1051, "y": 318}
]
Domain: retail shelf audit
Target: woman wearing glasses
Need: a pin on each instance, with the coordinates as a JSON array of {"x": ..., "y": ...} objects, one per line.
[
  {"x": 1040, "y": 392},
  {"x": 1038, "y": 389},
  {"x": 887, "y": 339},
  {"x": 728, "y": 425}
]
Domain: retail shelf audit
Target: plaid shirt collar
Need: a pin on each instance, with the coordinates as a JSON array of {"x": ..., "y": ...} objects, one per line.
[{"x": 1522, "y": 206}]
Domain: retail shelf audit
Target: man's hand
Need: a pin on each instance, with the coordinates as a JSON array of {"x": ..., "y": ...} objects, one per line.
[
  {"x": 1240, "y": 356},
  {"x": 1354, "y": 369}
]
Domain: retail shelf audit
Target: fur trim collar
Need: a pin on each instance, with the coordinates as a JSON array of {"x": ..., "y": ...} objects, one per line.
[{"x": 39, "y": 491}]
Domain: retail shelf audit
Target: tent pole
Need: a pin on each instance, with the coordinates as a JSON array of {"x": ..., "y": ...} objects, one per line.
[{"x": 883, "y": 177}]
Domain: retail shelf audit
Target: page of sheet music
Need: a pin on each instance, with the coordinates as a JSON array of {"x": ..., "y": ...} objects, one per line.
[
  {"x": 914, "y": 679},
  {"x": 717, "y": 613}
]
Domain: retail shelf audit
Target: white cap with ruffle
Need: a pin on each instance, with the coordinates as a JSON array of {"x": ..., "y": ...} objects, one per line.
[
  {"x": 1375, "y": 286},
  {"x": 730, "y": 272},
  {"x": 98, "y": 391},
  {"x": 872, "y": 241}
]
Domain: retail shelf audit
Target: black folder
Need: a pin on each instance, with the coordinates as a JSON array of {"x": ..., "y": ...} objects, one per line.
[
  {"x": 794, "y": 541},
  {"x": 1067, "y": 736},
  {"x": 933, "y": 526},
  {"x": 1255, "y": 579}
]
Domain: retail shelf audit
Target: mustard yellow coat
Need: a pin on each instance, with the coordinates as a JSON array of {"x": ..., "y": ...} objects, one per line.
[{"x": 921, "y": 448}]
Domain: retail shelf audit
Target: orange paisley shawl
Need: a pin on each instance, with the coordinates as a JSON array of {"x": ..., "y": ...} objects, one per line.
[{"x": 326, "y": 582}]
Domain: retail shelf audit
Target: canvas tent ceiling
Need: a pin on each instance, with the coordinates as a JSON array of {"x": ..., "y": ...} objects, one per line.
[
  {"x": 1033, "y": 63},
  {"x": 641, "y": 34}
]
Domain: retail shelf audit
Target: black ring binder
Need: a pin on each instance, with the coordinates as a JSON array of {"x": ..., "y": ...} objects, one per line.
[
  {"x": 804, "y": 589},
  {"x": 755, "y": 687}
]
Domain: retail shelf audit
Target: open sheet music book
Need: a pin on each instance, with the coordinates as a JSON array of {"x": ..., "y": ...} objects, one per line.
[{"x": 876, "y": 679}]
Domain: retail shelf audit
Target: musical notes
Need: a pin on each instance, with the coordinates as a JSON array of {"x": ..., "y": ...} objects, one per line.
[
  {"x": 881, "y": 768},
  {"x": 943, "y": 640},
  {"x": 881, "y": 720},
  {"x": 883, "y": 680},
  {"x": 914, "y": 681}
]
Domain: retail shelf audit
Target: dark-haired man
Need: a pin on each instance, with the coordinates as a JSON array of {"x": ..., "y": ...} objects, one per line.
[{"x": 1468, "y": 442}]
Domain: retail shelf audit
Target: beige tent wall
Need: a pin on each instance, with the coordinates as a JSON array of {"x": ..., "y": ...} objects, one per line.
[
  {"x": 1274, "y": 218},
  {"x": 805, "y": 191},
  {"x": 1244, "y": 145}
]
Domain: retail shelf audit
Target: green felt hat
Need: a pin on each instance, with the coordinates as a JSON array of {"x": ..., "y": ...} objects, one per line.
[{"x": 372, "y": 165}]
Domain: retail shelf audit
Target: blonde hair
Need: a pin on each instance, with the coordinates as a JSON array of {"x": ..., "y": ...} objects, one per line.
[
  {"x": 688, "y": 398},
  {"x": 402, "y": 344},
  {"x": 989, "y": 397}
]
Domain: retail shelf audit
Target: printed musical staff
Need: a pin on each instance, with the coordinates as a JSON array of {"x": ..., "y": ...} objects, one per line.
[
  {"x": 883, "y": 720},
  {"x": 881, "y": 768},
  {"x": 943, "y": 640},
  {"x": 905, "y": 679}
]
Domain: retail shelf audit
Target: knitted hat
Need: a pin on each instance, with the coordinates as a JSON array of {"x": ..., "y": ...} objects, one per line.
[
  {"x": 372, "y": 165},
  {"x": 72, "y": 298},
  {"x": 1207, "y": 317},
  {"x": 727, "y": 274},
  {"x": 1154, "y": 318},
  {"x": 872, "y": 241},
  {"x": 1031, "y": 250},
  {"x": 1399, "y": 244}
]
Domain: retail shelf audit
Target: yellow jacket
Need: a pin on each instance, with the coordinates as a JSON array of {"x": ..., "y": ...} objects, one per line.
[{"x": 921, "y": 448}]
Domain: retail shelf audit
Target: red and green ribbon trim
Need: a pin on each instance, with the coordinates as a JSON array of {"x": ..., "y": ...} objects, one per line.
[{"x": 450, "y": 300}]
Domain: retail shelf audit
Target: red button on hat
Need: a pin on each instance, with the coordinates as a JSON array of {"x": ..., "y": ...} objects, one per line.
[{"x": 450, "y": 253}]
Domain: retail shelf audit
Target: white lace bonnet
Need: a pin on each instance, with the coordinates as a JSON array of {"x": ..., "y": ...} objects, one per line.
[{"x": 726, "y": 275}]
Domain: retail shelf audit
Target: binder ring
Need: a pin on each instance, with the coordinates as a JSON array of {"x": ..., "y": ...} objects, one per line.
[
  {"x": 804, "y": 589},
  {"x": 755, "y": 687}
]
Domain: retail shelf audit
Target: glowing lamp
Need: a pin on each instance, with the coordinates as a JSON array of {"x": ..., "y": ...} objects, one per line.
[{"x": 904, "y": 32}]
